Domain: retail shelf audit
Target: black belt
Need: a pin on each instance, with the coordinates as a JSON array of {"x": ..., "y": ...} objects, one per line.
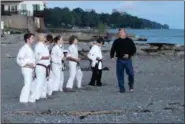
[{"x": 48, "y": 68}]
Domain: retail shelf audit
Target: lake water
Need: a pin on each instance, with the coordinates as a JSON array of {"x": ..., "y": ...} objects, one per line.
[{"x": 158, "y": 35}]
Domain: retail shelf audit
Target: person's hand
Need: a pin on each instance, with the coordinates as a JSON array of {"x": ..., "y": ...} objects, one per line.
[
  {"x": 78, "y": 59},
  {"x": 30, "y": 65},
  {"x": 125, "y": 56},
  {"x": 45, "y": 57},
  {"x": 112, "y": 59}
]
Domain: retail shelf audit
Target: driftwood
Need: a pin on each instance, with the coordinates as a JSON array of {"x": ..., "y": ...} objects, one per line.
[
  {"x": 160, "y": 46},
  {"x": 141, "y": 39},
  {"x": 149, "y": 50},
  {"x": 178, "y": 49}
]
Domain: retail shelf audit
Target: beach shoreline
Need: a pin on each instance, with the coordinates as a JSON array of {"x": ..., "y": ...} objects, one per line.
[{"x": 158, "y": 96}]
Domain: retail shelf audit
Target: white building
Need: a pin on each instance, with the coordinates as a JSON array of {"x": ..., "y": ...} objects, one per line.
[{"x": 22, "y": 7}]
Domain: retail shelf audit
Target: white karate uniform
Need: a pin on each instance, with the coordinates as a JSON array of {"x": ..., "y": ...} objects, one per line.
[
  {"x": 56, "y": 58},
  {"x": 94, "y": 53},
  {"x": 50, "y": 81},
  {"x": 74, "y": 69},
  {"x": 25, "y": 56},
  {"x": 41, "y": 82}
]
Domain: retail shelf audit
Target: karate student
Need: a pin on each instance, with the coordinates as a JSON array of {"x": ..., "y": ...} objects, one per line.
[
  {"x": 26, "y": 60},
  {"x": 42, "y": 68},
  {"x": 57, "y": 56},
  {"x": 95, "y": 55},
  {"x": 74, "y": 68},
  {"x": 91, "y": 45}
]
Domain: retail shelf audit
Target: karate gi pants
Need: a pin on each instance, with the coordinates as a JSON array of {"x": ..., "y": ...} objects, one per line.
[
  {"x": 28, "y": 78},
  {"x": 41, "y": 83},
  {"x": 74, "y": 72},
  {"x": 59, "y": 77},
  {"x": 50, "y": 83}
]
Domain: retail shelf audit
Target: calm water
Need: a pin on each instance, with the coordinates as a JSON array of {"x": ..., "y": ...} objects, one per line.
[{"x": 166, "y": 36}]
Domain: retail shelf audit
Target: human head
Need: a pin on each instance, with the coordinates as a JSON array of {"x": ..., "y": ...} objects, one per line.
[
  {"x": 73, "y": 40},
  {"x": 29, "y": 38},
  {"x": 58, "y": 39},
  {"x": 122, "y": 33},
  {"x": 49, "y": 38},
  {"x": 100, "y": 41},
  {"x": 41, "y": 38}
]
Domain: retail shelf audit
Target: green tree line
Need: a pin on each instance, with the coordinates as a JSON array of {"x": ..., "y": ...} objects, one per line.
[{"x": 66, "y": 18}]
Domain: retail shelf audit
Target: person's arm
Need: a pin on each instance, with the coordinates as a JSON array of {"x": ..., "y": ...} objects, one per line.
[
  {"x": 61, "y": 55},
  {"x": 133, "y": 48},
  {"x": 69, "y": 56},
  {"x": 55, "y": 56},
  {"x": 38, "y": 54},
  {"x": 91, "y": 53},
  {"x": 112, "y": 52},
  {"x": 22, "y": 61},
  {"x": 45, "y": 57},
  {"x": 72, "y": 59}
]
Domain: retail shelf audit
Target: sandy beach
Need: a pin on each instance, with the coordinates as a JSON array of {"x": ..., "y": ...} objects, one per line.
[{"x": 158, "y": 95}]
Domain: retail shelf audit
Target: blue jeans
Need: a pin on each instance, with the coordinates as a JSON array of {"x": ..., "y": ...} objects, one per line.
[{"x": 122, "y": 65}]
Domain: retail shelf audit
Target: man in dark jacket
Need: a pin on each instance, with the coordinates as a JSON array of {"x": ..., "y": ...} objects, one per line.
[{"x": 124, "y": 48}]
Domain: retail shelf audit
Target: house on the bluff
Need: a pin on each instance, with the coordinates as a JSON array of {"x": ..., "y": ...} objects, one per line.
[{"x": 23, "y": 14}]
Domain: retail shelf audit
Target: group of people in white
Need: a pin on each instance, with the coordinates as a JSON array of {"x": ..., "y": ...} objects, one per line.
[{"x": 42, "y": 68}]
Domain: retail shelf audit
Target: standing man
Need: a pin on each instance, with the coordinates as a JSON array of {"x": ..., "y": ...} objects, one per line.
[
  {"x": 124, "y": 48},
  {"x": 26, "y": 59}
]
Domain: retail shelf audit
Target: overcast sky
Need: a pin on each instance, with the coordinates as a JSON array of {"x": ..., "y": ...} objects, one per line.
[{"x": 164, "y": 12}]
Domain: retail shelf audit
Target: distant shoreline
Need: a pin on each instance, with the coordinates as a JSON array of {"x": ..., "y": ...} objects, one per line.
[{"x": 153, "y": 35}]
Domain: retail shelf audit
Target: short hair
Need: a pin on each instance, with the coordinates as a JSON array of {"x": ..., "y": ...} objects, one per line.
[
  {"x": 72, "y": 38},
  {"x": 57, "y": 38},
  {"x": 100, "y": 40},
  {"x": 27, "y": 36},
  {"x": 49, "y": 38}
]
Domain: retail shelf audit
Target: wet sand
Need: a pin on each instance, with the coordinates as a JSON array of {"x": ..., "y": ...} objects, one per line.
[{"x": 158, "y": 95}]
